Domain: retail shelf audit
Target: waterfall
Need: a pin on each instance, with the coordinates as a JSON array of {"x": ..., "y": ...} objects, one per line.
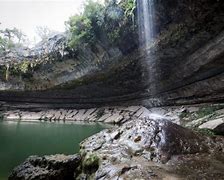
[
  {"x": 145, "y": 10},
  {"x": 145, "y": 21}
]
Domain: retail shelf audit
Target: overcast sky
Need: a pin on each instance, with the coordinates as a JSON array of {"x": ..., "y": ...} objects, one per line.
[{"x": 28, "y": 14}]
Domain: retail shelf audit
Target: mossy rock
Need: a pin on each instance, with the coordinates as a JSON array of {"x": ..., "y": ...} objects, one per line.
[
  {"x": 90, "y": 163},
  {"x": 1, "y": 116},
  {"x": 100, "y": 113},
  {"x": 206, "y": 132}
]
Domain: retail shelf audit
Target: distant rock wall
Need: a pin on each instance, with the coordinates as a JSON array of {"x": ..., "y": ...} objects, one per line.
[{"x": 110, "y": 115}]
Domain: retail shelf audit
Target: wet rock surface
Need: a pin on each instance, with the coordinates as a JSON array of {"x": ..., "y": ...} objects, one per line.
[
  {"x": 111, "y": 115},
  {"x": 146, "y": 149},
  {"x": 201, "y": 116},
  {"x": 55, "y": 167}
]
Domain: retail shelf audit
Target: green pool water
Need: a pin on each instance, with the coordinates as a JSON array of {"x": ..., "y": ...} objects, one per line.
[{"x": 18, "y": 140}]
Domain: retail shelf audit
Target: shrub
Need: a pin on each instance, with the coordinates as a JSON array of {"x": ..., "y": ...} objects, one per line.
[
  {"x": 11, "y": 38},
  {"x": 101, "y": 22},
  {"x": 80, "y": 30},
  {"x": 91, "y": 163}
]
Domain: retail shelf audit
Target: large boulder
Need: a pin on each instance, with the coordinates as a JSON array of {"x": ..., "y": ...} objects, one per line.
[
  {"x": 54, "y": 167},
  {"x": 135, "y": 149}
]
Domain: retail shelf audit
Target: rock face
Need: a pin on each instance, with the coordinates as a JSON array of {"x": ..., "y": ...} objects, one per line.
[
  {"x": 111, "y": 115},
  {"x": 188, "y": 51},
  {"x": 201, "y": 116},
  {"x": 162, "y": 139},
  {"x": 55, "y": 167},
  {"x": 135, "y": 149}
]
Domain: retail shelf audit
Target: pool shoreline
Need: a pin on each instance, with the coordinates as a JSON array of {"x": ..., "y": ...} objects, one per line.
[{"x": 21, "y": 139}]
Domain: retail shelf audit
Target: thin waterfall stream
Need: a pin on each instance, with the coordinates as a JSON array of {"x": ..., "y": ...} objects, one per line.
[
  {"x": 145, "y": 21},
  {"x": 145, "y": 10}
]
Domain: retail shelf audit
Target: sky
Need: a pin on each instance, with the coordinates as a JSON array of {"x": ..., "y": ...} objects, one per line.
[{"x": 28, "y": 14}]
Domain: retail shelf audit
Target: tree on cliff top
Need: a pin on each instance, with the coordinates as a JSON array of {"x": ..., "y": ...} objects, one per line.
[
  {"x": 81, "y": 27},
  {"x": 106, "y": 22},
  {"x": 10, "y": 39}
]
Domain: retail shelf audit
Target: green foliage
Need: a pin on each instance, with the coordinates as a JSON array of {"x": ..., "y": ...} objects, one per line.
[
  {"x": 129, "y": 6},
  {"x": 94, "y": 11},
  {"x": 114, "y": 35},
  {"x": 90, "y": 162},
  {"x": 10, "y": 38},
  {"x": 206, "y": 132},
  {"x": 81, "y": 30},
  {"x": 204, "y": 111},
  {"x": 2, "y": 44},
  {"x": 82, "y": 27},
  {"x": 24, "y": 66},
  {"x": 100, "y": 113},
  {"x": 23, "y": 69},
  {"x": 101, "y": 22},
  {"x": 123, "y": 22},
  {"x": 1, "y": 116},
  {"x": 184, "y": 114}
]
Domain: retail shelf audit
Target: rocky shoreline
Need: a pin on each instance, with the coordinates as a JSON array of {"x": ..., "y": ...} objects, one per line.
[
  {"x": 202, "y": 116},
  {"x": 146, "y": 144},
  {"x": 110, "y": 115}
]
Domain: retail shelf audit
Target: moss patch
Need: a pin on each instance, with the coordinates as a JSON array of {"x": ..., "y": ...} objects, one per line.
[
  {"x": 206, "y": 132},
  {"x": 100, "y": 113},
  {"x": 90, "y": 163},
  {"x": 1, "y": 116}
]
